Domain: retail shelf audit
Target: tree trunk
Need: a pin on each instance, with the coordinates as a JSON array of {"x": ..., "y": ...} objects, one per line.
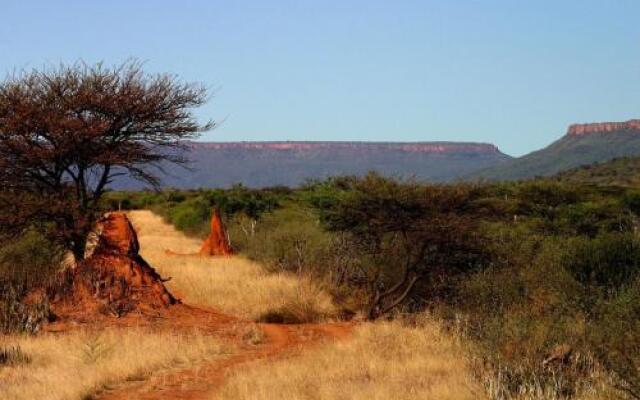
[{"x": 382, "y": 303}]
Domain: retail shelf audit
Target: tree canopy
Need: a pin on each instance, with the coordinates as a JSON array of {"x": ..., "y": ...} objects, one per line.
[{"x": 67, "y": 132}]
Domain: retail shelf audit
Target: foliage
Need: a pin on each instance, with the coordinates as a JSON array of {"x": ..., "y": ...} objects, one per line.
[
  {"x": 411, "y": 235},
  {"x": 616, "y": 338},
  {"x": 65, "y": 133},
  {"x": 28, "y": 265},
  {"x": 29, "y": 260},
  {"x": 622, "y": 171}
]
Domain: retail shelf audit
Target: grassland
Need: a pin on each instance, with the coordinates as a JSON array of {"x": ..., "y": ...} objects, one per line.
[
  {"x": 379, "y": 360},
  {"x": 75, "y": 365},
  {"x": 383, "y": 360}
]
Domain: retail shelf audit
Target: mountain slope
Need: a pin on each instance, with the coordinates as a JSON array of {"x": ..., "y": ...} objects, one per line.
[
  {"x": 261, "y": 164},
  {"x": 582, "y": 145},
  {"x": 617, "y": 172}
]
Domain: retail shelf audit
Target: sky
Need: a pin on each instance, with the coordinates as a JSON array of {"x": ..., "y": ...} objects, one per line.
[{"x": 511, "y": 73}]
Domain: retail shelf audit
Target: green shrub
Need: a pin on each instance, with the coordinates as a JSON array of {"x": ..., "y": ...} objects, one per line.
[
  {"x": 607, "y": 262},
  {"x": 191, "y": 216},
  {"x": 29, "y": 260},
  {"x": 28, "y": 263},
  {"x": 615, "y": 338},
  {"x": 524, "y": 306},
  {"x": 290, "y": 239},
  {"x": 631, "y": 200}
]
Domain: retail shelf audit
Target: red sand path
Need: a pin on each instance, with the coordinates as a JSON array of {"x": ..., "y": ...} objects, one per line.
[{"x": 202, "y": 381}]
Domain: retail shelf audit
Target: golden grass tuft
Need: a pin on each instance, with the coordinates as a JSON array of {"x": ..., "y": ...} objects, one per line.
[
  {"x": 383, "y": 360},
  {"x": 233, "y": 285},
  {"x": 73, "y": 366}
]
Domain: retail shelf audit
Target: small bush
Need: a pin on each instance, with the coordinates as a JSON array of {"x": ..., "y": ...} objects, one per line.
[
  {"x": 94, "y": 348},
  {"x": 294, "y": 313},
  {"x": 191, "y": 216},
  {"x": 631, "y": 200},
  {"x": 253, "y": 335},
  {"x": 17, "y": 316},
  {"x": 606, "y": 262},
  {"x": 30, "y": 260},
  {"x": 290, "y": 239},
  {"x": 309, "y": 306},
  {"x": 28, "y": 265}
]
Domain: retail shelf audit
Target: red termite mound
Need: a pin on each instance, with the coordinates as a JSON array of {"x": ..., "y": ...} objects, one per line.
[
  {"x": 115, "y": 278},
  {"x": 217, "y": 243}
]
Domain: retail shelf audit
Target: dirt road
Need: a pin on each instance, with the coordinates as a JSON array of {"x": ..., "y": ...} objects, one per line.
[{"x": 202, "y": 381}]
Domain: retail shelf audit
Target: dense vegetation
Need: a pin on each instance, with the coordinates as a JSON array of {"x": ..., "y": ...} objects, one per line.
[
  {"x": 522, "y": 269},
  {"x": 624, "y": 171}
]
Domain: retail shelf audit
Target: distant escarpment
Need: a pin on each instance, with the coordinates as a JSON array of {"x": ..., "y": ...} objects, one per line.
[
  {"x": 583, "y": 144},
  {"x": 417, "y": 147},
  {"x": 604, "y": 127},
  {"x": 263, "y": 164}
]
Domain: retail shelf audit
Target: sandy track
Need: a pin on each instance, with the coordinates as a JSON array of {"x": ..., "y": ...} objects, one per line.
[{"x": 202, "y": 380}]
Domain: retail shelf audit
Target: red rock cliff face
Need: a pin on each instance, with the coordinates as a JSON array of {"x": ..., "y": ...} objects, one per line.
[
  {"x": 417, "y": 147},
  {"x": 604, "y": 127}
]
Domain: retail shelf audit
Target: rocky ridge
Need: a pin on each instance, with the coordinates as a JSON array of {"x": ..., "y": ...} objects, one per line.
[
  {"x": 414, "y": 147},
  {"x": 604, "y": 127}
]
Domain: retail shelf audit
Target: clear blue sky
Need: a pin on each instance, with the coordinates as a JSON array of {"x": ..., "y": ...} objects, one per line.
[{"x": 511, "y": 72}]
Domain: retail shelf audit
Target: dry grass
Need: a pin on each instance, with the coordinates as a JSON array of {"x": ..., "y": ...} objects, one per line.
[
  {"x": 581, "y": 380},
  {"x": 385, "y": 360},
  {"x": 232, "y": 285},
  {"x": 75, "y": 365},
  {"x": 382, "y": 361}
]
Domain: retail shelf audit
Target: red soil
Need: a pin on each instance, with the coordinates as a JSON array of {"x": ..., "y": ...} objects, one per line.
[{"x": 203, "y": 380}]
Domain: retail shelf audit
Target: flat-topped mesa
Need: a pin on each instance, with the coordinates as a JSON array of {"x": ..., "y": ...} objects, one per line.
[
  {"x": 416, "y": 147},
  {"x": 604, "y": 127}
]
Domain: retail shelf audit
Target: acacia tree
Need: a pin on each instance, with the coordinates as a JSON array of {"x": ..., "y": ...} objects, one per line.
[
  {"x": 408, "y": 235},
  {"x": 67, "y": 132}
]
